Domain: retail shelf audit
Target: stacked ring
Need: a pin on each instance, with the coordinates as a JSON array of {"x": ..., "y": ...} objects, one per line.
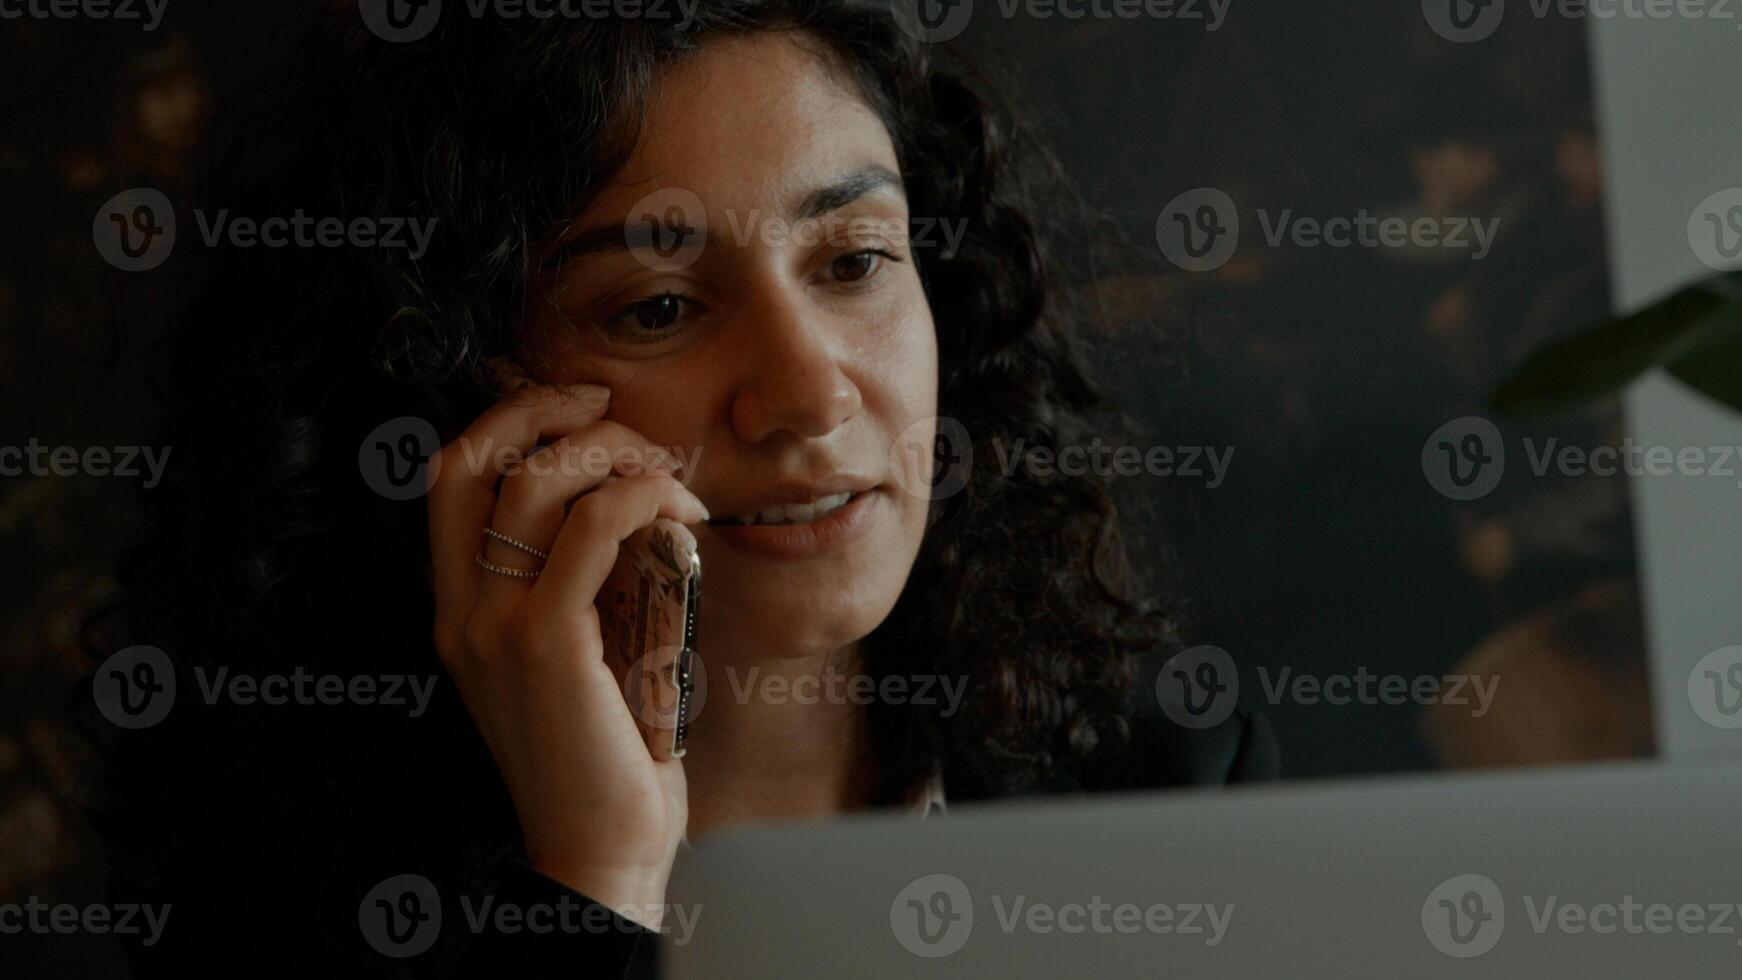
[
  {"x": 503, "y": 570},
  {"x": 490, "y": 566},
  {"x": 491, "y": 532}
]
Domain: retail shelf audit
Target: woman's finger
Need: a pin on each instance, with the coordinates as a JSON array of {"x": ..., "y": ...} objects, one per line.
[
  {"x": 462, "y": 499},
  {"x": 534, "y": 497},
  {"x": 596, "y": 526}
]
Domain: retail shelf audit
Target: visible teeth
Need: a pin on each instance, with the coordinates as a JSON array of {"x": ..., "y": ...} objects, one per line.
[{"x": 798, "y": 513}]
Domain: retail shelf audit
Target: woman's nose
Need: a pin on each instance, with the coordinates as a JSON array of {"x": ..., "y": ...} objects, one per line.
[{"x": 795, "y": 379}]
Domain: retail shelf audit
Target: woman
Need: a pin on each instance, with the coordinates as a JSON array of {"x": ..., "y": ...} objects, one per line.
[{"x": 657, "y": 240}]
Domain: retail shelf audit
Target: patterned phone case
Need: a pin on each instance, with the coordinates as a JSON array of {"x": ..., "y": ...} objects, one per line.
[{"x": 647, "y": 612}]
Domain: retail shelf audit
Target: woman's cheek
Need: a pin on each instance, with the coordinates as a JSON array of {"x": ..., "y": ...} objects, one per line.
[{"x": 913, "y": 363}]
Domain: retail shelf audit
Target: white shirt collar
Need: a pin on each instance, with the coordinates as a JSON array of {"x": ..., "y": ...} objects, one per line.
[{"x": 930, "y": 798}]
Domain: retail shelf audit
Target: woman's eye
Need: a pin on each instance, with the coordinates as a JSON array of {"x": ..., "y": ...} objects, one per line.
[
  {"x": 650, "y": 318},
  {"x": 860, "y": 265}
]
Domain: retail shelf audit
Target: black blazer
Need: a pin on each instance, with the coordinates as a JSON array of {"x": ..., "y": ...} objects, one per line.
[{"x": 1160, "y": 754}]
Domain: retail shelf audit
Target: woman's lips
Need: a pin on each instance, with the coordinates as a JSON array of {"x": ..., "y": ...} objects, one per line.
[{"x": 842, "y": 525}]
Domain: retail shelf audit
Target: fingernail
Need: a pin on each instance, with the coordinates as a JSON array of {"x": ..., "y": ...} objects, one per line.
[{"x": 591, "y": 393}]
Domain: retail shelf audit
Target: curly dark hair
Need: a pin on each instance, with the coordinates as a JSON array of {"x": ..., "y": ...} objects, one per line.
[{"x": 264, "y": 550}]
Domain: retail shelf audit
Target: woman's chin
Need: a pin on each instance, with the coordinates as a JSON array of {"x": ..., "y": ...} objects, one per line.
[{"x": 793, "y": 623}]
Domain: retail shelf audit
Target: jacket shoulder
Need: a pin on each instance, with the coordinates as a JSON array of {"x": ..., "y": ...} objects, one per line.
[
  {"x": 1163, "y": 752},
  {"x": 1173, "y": 746}
]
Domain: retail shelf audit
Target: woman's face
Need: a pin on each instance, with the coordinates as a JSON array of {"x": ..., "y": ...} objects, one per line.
[{"x": 745, "y": 288}]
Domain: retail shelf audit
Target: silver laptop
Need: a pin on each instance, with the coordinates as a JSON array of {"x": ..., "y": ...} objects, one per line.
[{"x": 1612, "y": 870}]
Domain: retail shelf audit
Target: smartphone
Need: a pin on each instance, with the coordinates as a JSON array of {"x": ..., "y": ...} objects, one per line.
[{"x": 647, "y": 614}]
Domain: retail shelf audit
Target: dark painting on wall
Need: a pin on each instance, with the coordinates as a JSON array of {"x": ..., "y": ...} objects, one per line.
[{"x": 1340, "y": 228}]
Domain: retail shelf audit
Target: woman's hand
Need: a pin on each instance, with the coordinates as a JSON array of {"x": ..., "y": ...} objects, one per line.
[{"x": 598, "y": 811}]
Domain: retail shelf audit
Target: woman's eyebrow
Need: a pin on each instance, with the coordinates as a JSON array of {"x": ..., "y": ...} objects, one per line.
[
  {"x": 647, "y": 231},
  {"x": 847, "y": 190},
  {"x": 627, "y": 235}
]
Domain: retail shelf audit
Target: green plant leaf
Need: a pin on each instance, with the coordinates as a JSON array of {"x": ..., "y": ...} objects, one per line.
[
  {"x": 1714, "y": 367},
  {"x": 1598, "y": 361}
]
